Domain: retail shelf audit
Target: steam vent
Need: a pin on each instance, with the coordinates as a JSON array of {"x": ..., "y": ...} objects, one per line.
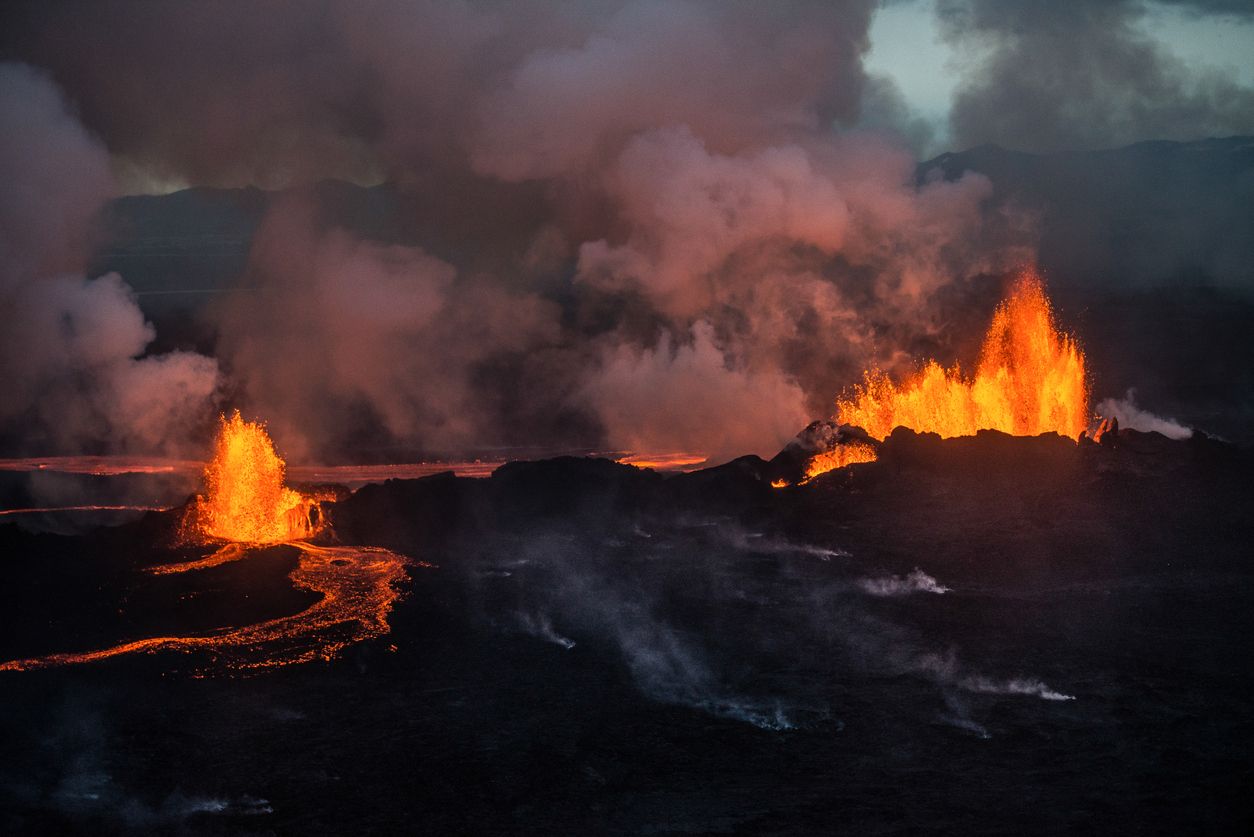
[{"x": 626, "y": 418}]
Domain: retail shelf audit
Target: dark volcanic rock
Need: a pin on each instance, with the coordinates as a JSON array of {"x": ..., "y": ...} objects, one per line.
[{"x": 983, "y": 635}]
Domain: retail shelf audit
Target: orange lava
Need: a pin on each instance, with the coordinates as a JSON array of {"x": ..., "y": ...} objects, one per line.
[
  {"x": 248, "y": 505},
  {"x": 246, "y": 499},
  {"x": 100, "y": 466},
  {"x": 352, "y": 476},
  {"x": 355, "y": 476},
  {"x": 1030, "y": 380},
  {"x": 53, "y": 509},
  {"x": 838, "y": 457},
  {"x": 358, "y": 586},
  {"x": 664, "y": 461}
]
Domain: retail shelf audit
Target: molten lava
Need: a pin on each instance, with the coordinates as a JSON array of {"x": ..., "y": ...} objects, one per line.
[
  {"x": 838, "y": 457},
  {"x": 247, "y": 504},
  {"x": 246, "y": 499},
  {"x": 678, "y": 461},
  {"x": 1030, "y": 380},
  {"x": 358, "y": 587}
]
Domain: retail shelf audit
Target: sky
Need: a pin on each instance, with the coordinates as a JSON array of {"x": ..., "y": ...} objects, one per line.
[{"x": 909, "y": 47}]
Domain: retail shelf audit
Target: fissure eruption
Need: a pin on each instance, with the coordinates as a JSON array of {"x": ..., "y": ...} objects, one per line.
[{"x": 1030, "y": 379}]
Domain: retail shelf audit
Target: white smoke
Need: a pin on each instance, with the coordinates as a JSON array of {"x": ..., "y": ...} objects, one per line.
[
  {"x": 539, "y": 625},
  {"x": 946, "y": 669},
  {"x": 1029, "y": 687},
  {"x": 1132, "y": 417},
  {"x": 894, "y": 585}
]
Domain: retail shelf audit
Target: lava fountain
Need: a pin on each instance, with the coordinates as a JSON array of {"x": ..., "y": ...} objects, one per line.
[
  {"x": 248, "y": 505},
  {"x": 1030, "y": 379},
  {"x": 245, "y": 497}
]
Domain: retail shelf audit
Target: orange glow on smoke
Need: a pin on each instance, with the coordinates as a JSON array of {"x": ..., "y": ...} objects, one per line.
[
  {"x": 838, "y": 457},
  {"x": 245, "y": 497},
  {"x": 1030, "y": 380}
]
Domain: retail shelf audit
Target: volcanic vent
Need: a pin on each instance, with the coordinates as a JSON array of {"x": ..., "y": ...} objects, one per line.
[
  {"x": 247, "y": 507},
  {"x": 1030, "y": 380}
]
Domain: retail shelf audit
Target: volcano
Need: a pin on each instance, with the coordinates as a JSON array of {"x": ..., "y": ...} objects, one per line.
[{"x": 1014, "y": 623}]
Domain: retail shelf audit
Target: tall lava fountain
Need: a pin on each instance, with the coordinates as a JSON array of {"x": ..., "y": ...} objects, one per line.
[
  {"x": 1030, "y": 380},
  {"x": 246, "y": 499}
]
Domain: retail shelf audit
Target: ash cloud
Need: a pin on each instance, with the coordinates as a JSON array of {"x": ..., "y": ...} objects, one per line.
[
  {"x": 1080, "y": 75},
  {"x": 72, "y": 348}
]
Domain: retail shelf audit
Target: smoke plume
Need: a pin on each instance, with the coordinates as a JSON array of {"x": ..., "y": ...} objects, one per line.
[
  {"x": 72, "y": 348},
  {"x": 627, "y": 225}
]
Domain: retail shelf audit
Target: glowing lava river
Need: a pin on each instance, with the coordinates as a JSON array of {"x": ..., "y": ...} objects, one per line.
[{"x": 248, "y": 506}]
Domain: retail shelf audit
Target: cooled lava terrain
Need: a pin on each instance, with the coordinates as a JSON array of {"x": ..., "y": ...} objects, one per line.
[{"x": 988, "y": 634}]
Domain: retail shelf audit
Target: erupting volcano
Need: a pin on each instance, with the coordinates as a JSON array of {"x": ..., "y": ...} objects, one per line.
[
  {"x": 246, "y": 499},
  {"x": 248, "y": 505},
  {"x": 1030, "y": 380}
]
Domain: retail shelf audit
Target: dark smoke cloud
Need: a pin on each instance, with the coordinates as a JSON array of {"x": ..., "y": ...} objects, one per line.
[
  {"x": 72, "y": 370},
  {"x": 1079, "y": 74}
]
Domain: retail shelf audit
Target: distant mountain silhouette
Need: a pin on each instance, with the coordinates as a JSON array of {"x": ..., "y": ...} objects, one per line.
[{"x": 1144, "y": 215}]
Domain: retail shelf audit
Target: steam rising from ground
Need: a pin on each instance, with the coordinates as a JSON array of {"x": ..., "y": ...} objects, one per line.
[
  {"x": 1132, "y": 417},
  {"x": 740, "y": 625},
  {"x": 895, "y": 585}
]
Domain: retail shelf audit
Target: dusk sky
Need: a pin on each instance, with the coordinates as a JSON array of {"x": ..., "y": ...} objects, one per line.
[{"x": 909, "y": 46}]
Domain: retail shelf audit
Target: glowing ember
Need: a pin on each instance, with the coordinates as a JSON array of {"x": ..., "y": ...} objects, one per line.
[
  {"x": 838, "y": 457},
  {"x": 358, "y": 586},
  {"x": 1030, "y": 380},
  {"x": 246, "y": 499}
]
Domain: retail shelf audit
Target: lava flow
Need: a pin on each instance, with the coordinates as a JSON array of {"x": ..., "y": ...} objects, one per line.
[
  {"x": 838, "y": 457},
  {"x": 248, "y": 506},
  {"x": 1030, "y": 380}
]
